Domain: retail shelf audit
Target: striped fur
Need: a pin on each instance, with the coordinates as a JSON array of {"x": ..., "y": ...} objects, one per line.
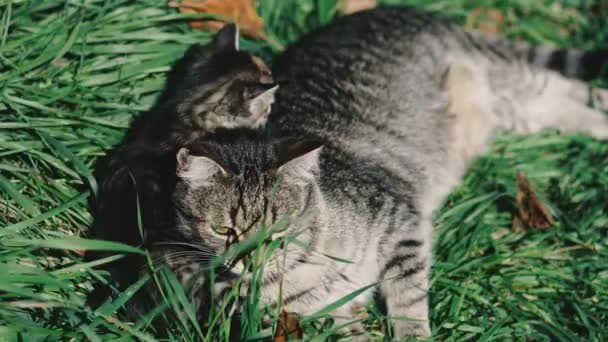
[
  {"x": 402, "y": 102},
  {"x": 212, "y": 86}
]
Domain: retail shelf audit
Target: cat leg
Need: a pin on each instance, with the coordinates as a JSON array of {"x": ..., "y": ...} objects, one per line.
[
  {"x": 469, "y": 125},
  {"x": 405, "y": 282},
  {"x": 486, "y": 98},
  {"x": 560, "y": 103},
  {"x": 349, "y": 316},
  {"x": 489, "y": 96},
  {"x": 527, "y": 98}
]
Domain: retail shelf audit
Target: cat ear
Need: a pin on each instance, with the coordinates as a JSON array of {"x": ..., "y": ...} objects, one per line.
[
  {"x": 227, "y": 38},
  {"x": 260, "y": 100},
  {"x": 300, "y": 159},
  {"x": 197, "y": 169}
]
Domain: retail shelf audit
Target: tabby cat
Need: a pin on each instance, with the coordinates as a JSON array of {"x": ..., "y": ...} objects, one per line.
[
  {"x": 384, "y": 110},
  {"x": 212, "y": 86}
]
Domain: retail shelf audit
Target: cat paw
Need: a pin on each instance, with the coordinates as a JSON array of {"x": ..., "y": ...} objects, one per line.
[{"x": 404, "y": 331}]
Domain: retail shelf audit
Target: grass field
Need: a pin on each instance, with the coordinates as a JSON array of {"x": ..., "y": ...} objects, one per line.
[{"x": 74, "y": 73}]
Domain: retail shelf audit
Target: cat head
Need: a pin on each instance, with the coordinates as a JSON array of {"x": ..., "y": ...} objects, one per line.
[
  {"x": 217, "y": 85},
  {"x": 225, "y": 189}
]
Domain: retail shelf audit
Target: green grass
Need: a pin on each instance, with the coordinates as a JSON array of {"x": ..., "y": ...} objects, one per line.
[{"x": 74, "y": 73}]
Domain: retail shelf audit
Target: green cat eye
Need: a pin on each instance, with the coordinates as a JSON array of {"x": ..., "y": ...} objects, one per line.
[{"x": 222, "y": 230}]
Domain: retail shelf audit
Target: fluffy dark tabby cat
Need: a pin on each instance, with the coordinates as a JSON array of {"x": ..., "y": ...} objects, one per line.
[
  {"x": 401, "y": 102},
  {"x": 212, "y": 86}
]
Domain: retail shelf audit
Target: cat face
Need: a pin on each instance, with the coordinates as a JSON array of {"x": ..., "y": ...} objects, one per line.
[
  {"x": 225, "y": 189},
  {"x": 216, "y": 85}
]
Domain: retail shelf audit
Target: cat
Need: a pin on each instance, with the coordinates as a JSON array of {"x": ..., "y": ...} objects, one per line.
[
  {"x": 377, "y": 117},
  {"x": 213, "y": 85}
]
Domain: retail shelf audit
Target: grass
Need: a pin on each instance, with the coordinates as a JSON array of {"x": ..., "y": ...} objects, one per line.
[{"x": 74, "y": 73}]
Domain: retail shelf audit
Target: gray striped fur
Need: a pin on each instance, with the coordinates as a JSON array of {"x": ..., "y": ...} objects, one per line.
[{"x": 402, "y": 102}]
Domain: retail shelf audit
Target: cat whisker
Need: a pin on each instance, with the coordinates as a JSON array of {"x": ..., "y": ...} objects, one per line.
[
  {"x": 189, "y": 253},
  {"x": 199, "y": 247},
  {"x": 187, "y": 257}
]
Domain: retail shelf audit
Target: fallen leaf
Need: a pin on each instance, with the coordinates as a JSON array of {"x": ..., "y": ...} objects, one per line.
[
  {"x": 486, "y": 20},
  {"x": 289, "y": 327},
  {"x": 352, "y": 6},
  {"x": 532, "y": 213},
  {"x": 241, "y": 12},
  {"x": 517, "y": 226},
  {"x": 359, "y": 311}
]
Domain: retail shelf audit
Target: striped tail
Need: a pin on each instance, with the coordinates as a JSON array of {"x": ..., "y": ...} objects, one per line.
[{"x": 572, "y": 63}]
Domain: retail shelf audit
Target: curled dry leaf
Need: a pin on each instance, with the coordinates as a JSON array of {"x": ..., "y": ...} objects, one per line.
[
  {"x": 288, "y": 328},
  {"x": 241, "y": 12},
  {"x": 486, "y": 20},
  {"x": 352, "y": 6},
  {"x": 531, "y": 212}
]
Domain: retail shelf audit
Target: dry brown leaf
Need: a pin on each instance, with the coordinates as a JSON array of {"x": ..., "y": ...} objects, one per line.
[
  {"x": 359, "y": 311},
  {"x": 241, "y": 12},
  {"x": 517, "y": 226},
  {"x": 486, "y": 20},
  {"x": 289, "y": 327},
  {"x": 532, "y": 213},
  {"x": 352, "y": 6}
]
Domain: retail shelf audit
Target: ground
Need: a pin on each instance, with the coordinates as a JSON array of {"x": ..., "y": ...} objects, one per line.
[{"x": 73, "y": 74}]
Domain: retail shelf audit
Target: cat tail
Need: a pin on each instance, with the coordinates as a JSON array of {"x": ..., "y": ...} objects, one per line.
[
  {"x": 572, "y": 63},
  {"x": 569, "y": 62}
]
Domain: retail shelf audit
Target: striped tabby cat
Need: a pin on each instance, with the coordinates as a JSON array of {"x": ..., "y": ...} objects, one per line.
[
  {"x": 384, "y": 111},
  {"x": 212, "y": 86}
]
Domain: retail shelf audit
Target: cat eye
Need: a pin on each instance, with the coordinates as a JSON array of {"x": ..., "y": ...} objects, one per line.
[{"x": 222, "y": 230}]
